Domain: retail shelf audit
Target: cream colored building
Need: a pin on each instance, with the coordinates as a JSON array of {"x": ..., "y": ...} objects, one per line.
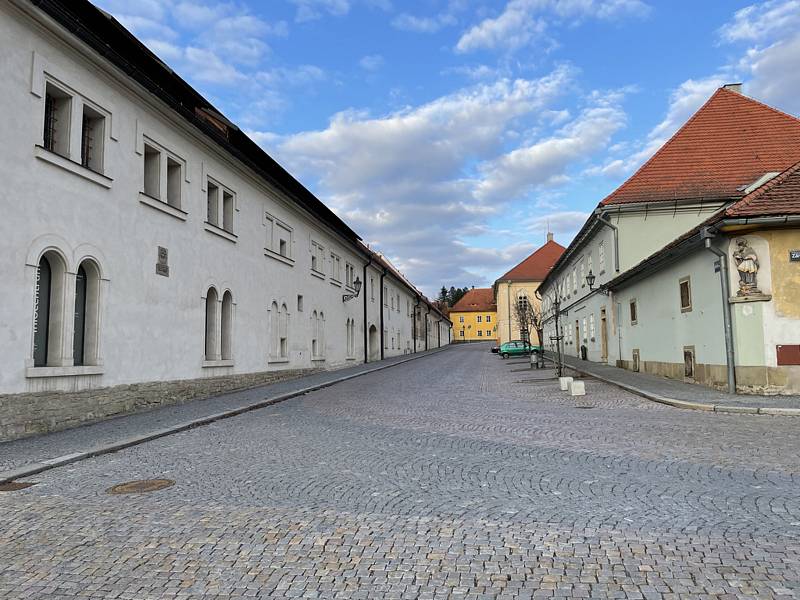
[{"x": 519, "y": 284}]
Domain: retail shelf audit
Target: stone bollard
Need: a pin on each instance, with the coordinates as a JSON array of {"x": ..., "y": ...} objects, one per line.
[
  {"x": 577, "y": 388},
  {"x": 564, "y": 383}
]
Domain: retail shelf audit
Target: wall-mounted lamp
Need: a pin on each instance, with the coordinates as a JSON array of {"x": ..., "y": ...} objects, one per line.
[
  {"x": 356, "y": 287},
  {"x": 590, "y": 279}
]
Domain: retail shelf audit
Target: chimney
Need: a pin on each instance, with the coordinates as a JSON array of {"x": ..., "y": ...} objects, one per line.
[
  {"x": 734, "y": 87},
  {"x": 549, "y": 236}
]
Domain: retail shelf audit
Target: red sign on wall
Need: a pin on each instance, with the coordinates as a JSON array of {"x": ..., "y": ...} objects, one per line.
[{"x": 788, "y": 354}]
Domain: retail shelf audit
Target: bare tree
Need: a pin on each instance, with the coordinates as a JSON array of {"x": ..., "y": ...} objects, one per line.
[{"x": 528, "y": 317}]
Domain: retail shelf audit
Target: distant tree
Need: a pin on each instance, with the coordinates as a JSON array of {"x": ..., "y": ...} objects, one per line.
[
  {"x": 443, "y": 295},
  {"x": 451, "y": 295}
]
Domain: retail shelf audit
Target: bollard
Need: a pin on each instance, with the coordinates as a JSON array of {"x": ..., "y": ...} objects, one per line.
[
  {"x": 577, "y": 388},
  {"x": 564, "y": 383}
]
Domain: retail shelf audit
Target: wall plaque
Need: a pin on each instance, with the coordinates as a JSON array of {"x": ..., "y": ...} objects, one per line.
[
  {"x": 794, "y": 255},
  {"x": 162, "y": 266}
]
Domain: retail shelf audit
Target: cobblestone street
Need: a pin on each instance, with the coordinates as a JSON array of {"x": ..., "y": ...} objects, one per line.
[{"x": 456, "y": 475}]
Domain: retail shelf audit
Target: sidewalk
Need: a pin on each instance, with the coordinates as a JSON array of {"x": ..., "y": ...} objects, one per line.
[
  {"x": 684, "y": 395},
  {"x": 28, "y": 456}
]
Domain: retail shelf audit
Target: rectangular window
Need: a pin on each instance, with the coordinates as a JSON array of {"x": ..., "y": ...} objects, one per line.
[
  {"x": 284, "y": 235},
  {"x": 685, "y": 287},
  {"x": 479, "y": 318},
  {"x": 92, "y": 127},
  {"x": 299, "y": 303},
  {"x": 575, "y": 279},
  {"x": 350, "y": 271},
  {"x": 488, "y": 333},
  {"x": 212, "y": 200},
  {"x": 460, "y": 319},
  {"x": 591, "y": 326},
  {"x": 57, "y": 107},
  {"x": 584, "y": 331},
  {"x": 601, "y": 254},
  {"x": 336, "y": 267},
  {"x": 228, "y": 209},
  {"x": 152, "y": 172},
  {"x": 480, "y": 333},
  {"x": 174, "y": 179},
  {"x": 488, "y": 318},
  {"x": 372, "y": 289},
  {"x": 461, "y": 333},
  {"x": 385, "y": 294},
  {"x": 590, "y": 265},
  {"x": 317, "y": 257},
  {"x": 583, "y": 274},
  {"x": 634, "y": 316}
]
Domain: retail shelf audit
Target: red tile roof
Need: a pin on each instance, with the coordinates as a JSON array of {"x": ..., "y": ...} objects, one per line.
[
  {"x": 729, "y": 143},
  {"x": 537, "y": 265},
  {"x": 779, "y": 196},
  {"x": 476, "y": 300}
]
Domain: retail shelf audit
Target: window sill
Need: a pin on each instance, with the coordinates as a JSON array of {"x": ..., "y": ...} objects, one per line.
[
  {"x": 336, "y": 282},
  {"x": 36, "y": 372},
  {"x": 162, "y": 206},
  {"x": 277, "y": 361},
  {"x": 351, "y": 358},
  {"x": 318, "y": 359},
  {"x": 209, "y": 364},
  {"x": 279, "y": 257},
  {"x": 318, "y": 274},
  {"x": 211, "y": 228},
  {"x": 73, "y": 167}
]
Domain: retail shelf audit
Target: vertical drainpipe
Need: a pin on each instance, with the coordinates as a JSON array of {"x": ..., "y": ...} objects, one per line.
[
  {"x": 383, "y": 274},
  {"x": 414, "y": 322},
  {"x": 615, "y": 229},
  {"x": 366, "y": 332},
  {"x": 706, "y": 234},
  {"x": 439, "y": 333}
]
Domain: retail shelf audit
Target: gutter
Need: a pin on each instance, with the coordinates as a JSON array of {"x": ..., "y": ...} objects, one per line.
[
  {"x": 706, "y": 234},
  {"x": 780, "y": 220}
]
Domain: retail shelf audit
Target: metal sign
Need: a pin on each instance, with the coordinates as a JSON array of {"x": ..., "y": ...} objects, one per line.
[{"x": 794, "y": 255}]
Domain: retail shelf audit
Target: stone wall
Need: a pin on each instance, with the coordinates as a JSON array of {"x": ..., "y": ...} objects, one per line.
[{"x": 28, "y": 414}]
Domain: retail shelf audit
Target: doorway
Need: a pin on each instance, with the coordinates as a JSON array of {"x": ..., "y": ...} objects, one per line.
[
  {"x": 374, "y": 344},
  {"x": 577, "y": 338},
  {"x": 603, "y": 336}
]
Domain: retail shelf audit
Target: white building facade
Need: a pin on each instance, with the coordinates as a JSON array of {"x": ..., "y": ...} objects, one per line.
[{"x": 146, "y": 239}]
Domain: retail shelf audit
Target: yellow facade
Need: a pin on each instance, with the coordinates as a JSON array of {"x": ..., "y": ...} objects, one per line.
[
  {"x": 474, "y": 326},
  {"x": 506, "y": 294}
]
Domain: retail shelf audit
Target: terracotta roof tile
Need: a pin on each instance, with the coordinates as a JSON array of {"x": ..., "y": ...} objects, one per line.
[
  {"x": 476, "y": 300},
  {"x": 537, "y": 265},
  {"x": 779, "y": 196},
  {"x": 729, "y": 143}
]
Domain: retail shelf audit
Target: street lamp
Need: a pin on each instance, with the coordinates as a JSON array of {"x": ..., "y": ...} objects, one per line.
[
  {"x": 590, "y": 279},
  {"x": 356, "y": 287}
]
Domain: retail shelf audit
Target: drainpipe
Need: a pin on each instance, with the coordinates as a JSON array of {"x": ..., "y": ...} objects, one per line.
[
  {"x": 383, "y": 274},
  {"x": 366, "y": 332},
  {"x": 414, "y": 323},
  {"x": 706, "y": 234},
  {"x": 598, "y": 213},
  {"x": 439, "y": 333},
  {"x": 426, "y": 326}
]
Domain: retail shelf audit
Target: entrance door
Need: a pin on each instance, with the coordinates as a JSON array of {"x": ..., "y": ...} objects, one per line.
[
  {"x": 577, "y": 338},
  {"x": 374, "y": 344},
  {"x": 603, "y": 335}
]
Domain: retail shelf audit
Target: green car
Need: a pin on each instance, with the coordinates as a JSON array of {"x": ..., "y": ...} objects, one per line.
[{"x": 517, "y": 348}]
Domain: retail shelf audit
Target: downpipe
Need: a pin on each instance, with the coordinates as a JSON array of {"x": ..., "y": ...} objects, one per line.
[{"x": 706, "y": 235}]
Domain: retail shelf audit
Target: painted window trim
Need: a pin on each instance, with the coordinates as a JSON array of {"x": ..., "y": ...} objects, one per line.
[
  {"x": 163, "y": 207},
  {"x": 70, "y": 165},
  {"x": 72, "y": 371}
]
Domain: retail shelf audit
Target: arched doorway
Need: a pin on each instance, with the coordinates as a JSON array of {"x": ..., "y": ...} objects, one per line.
[{"x": 374, "y": 344}]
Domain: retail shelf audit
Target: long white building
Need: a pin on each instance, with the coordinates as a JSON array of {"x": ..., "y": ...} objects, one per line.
[{"x": 147, "y": 240}]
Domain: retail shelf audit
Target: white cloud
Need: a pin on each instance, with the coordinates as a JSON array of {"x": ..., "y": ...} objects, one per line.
[
  {"x": 759, "y": 22},
  {"x": 523, "y": 21},
  {"x": 371, "y": 62},
  {"x": 775, "y": 74},
  {"x": 564, "y": 222}
]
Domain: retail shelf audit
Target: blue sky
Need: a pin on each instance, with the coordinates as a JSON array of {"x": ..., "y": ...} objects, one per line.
[{"x": 449, "y": 133}]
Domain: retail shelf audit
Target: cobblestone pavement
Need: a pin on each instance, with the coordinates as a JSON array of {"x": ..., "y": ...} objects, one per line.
[{"x": 458, "y": 475}]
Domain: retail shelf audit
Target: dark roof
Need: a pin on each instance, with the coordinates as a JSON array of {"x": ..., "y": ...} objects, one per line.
[
  {"x": 537, "y": 265},
  {"x": 779, "y": 196},
  {"x": 106, "y": 36},
  {"x": 729, "y": 143},
  {"x": 476, "y": 300}
]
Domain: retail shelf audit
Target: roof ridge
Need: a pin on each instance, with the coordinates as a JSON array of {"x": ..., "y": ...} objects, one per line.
[{"x": 663, "y": 146}]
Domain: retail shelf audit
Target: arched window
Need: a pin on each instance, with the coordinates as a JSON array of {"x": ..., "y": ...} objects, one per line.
[
  {"x": 86, "y": 316},
  {"x": 48, "y": 313},
  {"x": 351, "y": 338},
  {"x": 212, "y": 300},
  {"x": 283, "y": 340},
  {"x": 314, "y": 341},
  {"x": 227, "y": 325}
]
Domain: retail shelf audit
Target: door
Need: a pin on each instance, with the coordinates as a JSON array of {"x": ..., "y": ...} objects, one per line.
[
  {"x": 603, "y": 336},
  {"x": 577, "y": 338}
]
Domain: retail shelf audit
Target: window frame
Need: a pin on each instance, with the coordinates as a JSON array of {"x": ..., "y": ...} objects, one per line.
[
  {"x": 633, "y": 308},
  {"x": 278, "y": 232},
  {"x": 687, "y": 281}
]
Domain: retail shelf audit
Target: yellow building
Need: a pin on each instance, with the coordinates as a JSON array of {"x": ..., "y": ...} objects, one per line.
[
  {"x": 474, "y": 317},
  {"x": 520, "y": 283}
]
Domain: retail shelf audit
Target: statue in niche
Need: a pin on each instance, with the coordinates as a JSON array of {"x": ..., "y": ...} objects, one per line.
[{"x": 747, "y": 265}]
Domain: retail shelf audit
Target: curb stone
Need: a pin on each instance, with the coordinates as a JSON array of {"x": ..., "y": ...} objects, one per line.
[
  {"x": 67, "y": 459},
  {"x": 685, "y": 404}
]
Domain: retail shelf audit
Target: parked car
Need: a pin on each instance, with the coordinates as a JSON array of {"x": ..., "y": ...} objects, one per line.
[
  {"x": 517, "y": 348},
  {"x": 495, "y": 348}
]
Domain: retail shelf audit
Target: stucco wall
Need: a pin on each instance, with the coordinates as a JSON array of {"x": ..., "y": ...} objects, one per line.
[{"x": 507, "y": 294}]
